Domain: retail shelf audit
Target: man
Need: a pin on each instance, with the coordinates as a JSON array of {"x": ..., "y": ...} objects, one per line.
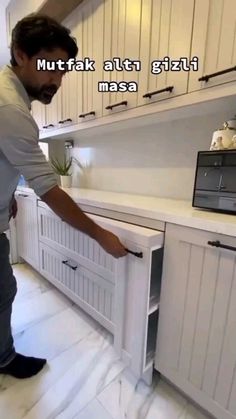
[{"x": 33, "y": 37}]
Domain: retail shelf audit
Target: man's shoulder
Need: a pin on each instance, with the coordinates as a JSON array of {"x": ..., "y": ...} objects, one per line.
[
  {"x": 10, "y": 97},
  {"x": 18, "y": 115},
  {"x": 9, "y": 90}
]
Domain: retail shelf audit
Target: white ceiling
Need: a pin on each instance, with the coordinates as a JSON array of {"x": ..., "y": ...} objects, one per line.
[{"x": 4, "y": 50}]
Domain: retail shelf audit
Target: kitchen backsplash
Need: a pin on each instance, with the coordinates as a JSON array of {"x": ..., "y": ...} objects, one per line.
[{"x": 156, "y": 160}]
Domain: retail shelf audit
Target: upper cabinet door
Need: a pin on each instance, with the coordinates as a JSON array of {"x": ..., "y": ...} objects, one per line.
[
  {"x": 165, "y": 31},
  {"x": 38, "y": 111},
  {"x": 90, "y": 42},
  {"x": 54, "y": 111},
  {"x": 97, "y": 55},
  {"x": 214, "y": 42},
  {"x": 69, "y": 111},
  {"x": 16, "y": 10},
  {"x": 13, "y": 14},
  {"x": 121, "y": 41}
]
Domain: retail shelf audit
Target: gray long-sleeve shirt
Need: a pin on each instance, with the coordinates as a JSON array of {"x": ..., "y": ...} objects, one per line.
[{"x": 19, "y": 149}]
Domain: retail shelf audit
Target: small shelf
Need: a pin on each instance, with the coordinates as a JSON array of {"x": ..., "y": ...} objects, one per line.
[
  {"x": 151, "y": 337},
  {"x": 153, "y": 304},
  {"x": 155, "y": 282},
  {"x": 153, "y": 307},
  {"x": 150, "y": 359}
]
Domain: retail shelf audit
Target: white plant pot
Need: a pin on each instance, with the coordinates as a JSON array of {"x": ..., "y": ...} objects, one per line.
[{"x": 66, "y": 181}]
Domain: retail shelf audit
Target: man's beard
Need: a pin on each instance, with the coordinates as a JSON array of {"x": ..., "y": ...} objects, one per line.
[{"x": 44, "y": 94}]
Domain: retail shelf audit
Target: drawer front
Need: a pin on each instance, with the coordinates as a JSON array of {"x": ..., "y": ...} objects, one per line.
[
  {"x": 53, "y": 230},
  {"x": 92, "y": 292}
]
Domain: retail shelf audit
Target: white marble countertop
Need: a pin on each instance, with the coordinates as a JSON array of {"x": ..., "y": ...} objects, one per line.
[{"x": 168, "y": 210}]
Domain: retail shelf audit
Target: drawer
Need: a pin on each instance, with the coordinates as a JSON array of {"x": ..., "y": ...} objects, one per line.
[
  {"x": 91, "y": 292},
  {"x": 54, "y": 232}
]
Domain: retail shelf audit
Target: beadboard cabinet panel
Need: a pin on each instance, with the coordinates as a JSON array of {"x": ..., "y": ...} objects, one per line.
[
  {"x": 196, "y": 343},
  {"x": 214, "y": 42},
  {"x": 38, "y": 111},
  {"x": 27, "y": 228},
  {"x": 165, "y": 32},
  {"x": 122, "y": 40},
  {"x": 147, "y": 31},
  {"x": 128, "y": 288}
]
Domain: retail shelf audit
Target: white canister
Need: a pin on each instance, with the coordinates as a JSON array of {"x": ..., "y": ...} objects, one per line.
[{"x": 233, "y": 143}]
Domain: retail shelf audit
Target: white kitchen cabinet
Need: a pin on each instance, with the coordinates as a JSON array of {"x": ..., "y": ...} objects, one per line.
[
  {"x": 166, "y": 29},
  {"x": 121, "y": 294},
  {"x": 98, "y": 41},
  {"x": 142, "y": 307},
  {"x": 95, "y": 294},
  {"x": 62, "y": 111},
  {"x": 78, "y": 99},
  {"x": 90, "y": 42},
  {"x": 53, "y": 112},
  {"x": 68, "y": 100},
  {"x": 11, "y": 235},
  {"x": 69, "y": 87},
  {"x": 121, "y": 40},
  {"x": 196, "y": 344},
  {"x": 213, "y": 42},
  {"x": 16, "y": 10},
  {"x": 27, "y": 228},
  {"x": 143, "y": 30}
]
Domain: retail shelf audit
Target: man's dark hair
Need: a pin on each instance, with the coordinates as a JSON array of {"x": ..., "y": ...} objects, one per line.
[{"x": 36, "y": 32}]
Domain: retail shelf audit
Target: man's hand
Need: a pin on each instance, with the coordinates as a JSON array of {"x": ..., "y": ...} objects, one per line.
[
  {"x": 111, "y": 243},
  {"x": 69, "y": 211},
  {"x": 13, "y": 209}
]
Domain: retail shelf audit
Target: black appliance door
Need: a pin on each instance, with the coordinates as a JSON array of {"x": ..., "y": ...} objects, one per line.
[
  {"x": 208, "y": 178},
  {"x": 228, "y": 180}
]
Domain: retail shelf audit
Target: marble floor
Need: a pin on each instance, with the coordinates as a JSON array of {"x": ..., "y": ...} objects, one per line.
[{"x": 83, "y": 378}]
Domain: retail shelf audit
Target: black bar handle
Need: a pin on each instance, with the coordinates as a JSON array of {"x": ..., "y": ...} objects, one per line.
[
  {"x": 137, "y": 254},
  {"x": 124, "y": 102},
  {"x": 22, "y": 195},
  {"x": 217, "y": 243},
  {"x": 65, "y": 120},
  {"x": 48, "y": 126},
  {"x": 167, "y": 89},
  {"x": 82, "y": 115},
  {"x": 66, "y": 262},
  {"x": 219, "y": 73}
]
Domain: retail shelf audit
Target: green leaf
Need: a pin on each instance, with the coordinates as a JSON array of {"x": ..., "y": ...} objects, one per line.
[{"x": 61, "y": 168}]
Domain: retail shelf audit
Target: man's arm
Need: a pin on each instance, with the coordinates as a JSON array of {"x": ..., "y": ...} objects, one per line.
[
  {"x": 68, "y": 211},
  {"x": 19, "y": 143},
  {"x": 13, "y": 208}
]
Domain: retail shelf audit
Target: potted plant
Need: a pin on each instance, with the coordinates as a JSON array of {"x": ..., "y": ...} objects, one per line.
[{"x": 63, "y": 169}]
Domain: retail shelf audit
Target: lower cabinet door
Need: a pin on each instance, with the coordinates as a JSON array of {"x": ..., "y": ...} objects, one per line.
[
  {"x": 93, "y": 293},
  {"x": 27, "y": 228},
  {"x": 196, "y": 340},
  {"x": 99, "y": 297},
  {"x": 122, "y": 294}
]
